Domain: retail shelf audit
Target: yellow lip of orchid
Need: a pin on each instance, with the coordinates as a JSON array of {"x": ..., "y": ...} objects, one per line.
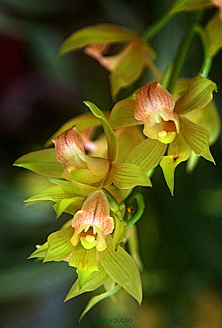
[
  {"x": 154, "y": 106},
  {"x": 92, "y": 224}
]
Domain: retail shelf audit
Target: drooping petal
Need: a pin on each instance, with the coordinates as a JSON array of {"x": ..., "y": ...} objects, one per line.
[
  {"x": 178, "y": 152},
  {"x": 154, "y": 106},
  {"x": 197, "y": 138},
  {"x": 120, "y": 266},
  {"x": 198, "y": 95},
  {"x": 101, "y": 33},
  {"x": 70, "y": 148},
  {"x": 129, "y": 65}
]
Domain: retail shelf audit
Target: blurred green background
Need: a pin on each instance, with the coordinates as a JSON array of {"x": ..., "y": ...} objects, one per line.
[{"x": 180, "y": 236}]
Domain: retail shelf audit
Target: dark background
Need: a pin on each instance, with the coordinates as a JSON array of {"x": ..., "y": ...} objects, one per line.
[{"x": 180, "y": 236}]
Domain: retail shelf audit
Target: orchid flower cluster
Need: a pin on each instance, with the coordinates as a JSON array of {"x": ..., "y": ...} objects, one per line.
[{"x": 96, "y": 174}]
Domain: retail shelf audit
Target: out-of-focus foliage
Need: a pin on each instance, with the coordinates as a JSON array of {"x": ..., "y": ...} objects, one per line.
[{"x": 180, "y": 237}]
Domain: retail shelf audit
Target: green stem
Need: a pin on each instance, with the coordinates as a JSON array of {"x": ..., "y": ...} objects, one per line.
[
  {"x": 207, "y": 63},
  {"x": 182, "y": 53},
  {"x": 140, "y": 209},
  {"x": 156, "y": 27}
]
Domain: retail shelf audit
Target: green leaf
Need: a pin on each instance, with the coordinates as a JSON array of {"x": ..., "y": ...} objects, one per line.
[
  {"x": 54, "y": 194},
  {"x": 42, "y": 162},
  {"x": 122, "y": 114},
  {"x": 178, "y": 152},
  {"x": 147, "y": 154},
  {"x": 197, "y": 138},
  {"x": 129, "y": 66},
  {"x": 81, "y": 122},
  {"x": 214, "y": 34},
  {"x": 95, "y": 280},
  {"x": 96, "y": 299},
  {"x": 84, "y": 259},
  {"x": 74, "y": 188},
  {"x": 101, "y": 33},
  {"x": 107, "y": 129},
  {"x": 40, "y": 251},
  {"x": 189, "y": 5},
  {"x": 198, "y": 95},
  {"x": 59, "y": 245},
  {"x": 63, "y": 204},
  {"x": 122, "y": 269},
  {"x": 127, "y": 176}
]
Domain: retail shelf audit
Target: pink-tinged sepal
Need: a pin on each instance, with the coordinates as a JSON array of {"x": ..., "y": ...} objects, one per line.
[
  {"x": 92, "y": 224},
  {"x": 70, "y": 149},
  {"x": 154, "y": 106}
]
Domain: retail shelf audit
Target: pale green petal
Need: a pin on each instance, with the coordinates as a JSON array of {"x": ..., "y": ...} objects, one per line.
[
  {"x": 96, "y": 34},
  {"x": 122, "y": 114},
  {"x": 120, "y": 266},
  {"x": 63, "y": 204},
  {"x": 127, "y": 176},
  {"x": 42, "y": 162},
  {"x": 59, "y": 245},
  {"x": 178, "y": 152},
  {"x": 189, "y": 5},
  {"x": 107, "y": 129},
  {"x": 147, "y": 154},
  {"x": 197, "y": 138},
  {"x": 198, "y": 95},
  {"x": 96, "y": 280}
]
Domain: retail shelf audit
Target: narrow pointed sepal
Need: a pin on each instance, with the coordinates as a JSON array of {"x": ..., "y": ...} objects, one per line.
[{"x": 178, "y": 152}]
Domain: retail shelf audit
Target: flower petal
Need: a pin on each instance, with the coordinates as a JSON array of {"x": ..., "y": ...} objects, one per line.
[
  {"x": 59, "y": 245},
  {"x": 198, "y": 95},
  {"x": 122, "y": 114},
  {"x": 147, "y": 154},
  {"x": 129, "y": 66},
  {"x": 84, "y": 259},
  {"x": 96, "y": 280},
  {"x": 70, "y": 148},
  {"x": 97, "y": 34},
  {"x": 214, "y": 34},
  {"x": 122, "y": 269},
  {"x": 107, "y": 129},
  {"x": 197, "y": 138},
  {"x": 42, "y": 162},
  {"x": 178, "y": 152},
  {"x": 127, "y": 176}
]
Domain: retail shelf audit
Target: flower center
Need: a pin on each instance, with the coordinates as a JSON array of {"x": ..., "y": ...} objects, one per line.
[
  {"x": 88, "y": 238},
  {"x": 167, "y": 132}
]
